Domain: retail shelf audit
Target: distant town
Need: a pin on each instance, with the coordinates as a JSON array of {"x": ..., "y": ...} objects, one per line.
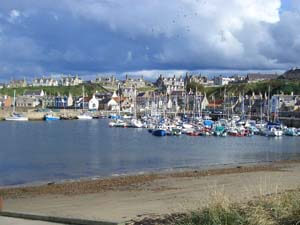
[{"x": 175, "y": 94}]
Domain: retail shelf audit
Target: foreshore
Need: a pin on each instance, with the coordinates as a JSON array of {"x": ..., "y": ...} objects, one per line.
[{"x": 129, "y": 197}]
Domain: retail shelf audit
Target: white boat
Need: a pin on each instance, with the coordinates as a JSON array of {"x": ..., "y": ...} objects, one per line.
[
  {"x": 136, "y": 123},
  {"x": 16, "y": 116},
  {"x": 273, "y": 132},
  {"x": 84, "y": 116}
]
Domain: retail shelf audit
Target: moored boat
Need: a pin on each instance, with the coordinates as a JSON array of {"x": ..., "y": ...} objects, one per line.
[
  {"x": 84, "y": 116},
  {"x": 51, "y": 117},
  {"x": 16, "y": 117}
]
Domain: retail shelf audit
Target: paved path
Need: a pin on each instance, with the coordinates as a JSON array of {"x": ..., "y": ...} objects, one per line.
[{"x": 13, "y": 221}]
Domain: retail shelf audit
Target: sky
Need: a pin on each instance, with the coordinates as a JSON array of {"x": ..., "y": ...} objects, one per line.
[{"x": 89, "y": 37}]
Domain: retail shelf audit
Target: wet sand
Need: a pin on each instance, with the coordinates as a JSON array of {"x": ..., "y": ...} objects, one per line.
[{"x": 124, "y": 198}]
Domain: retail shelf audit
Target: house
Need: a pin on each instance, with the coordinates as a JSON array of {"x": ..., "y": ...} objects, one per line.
[
  {"x": 36, "y": 93},
  {"x": 134, "y": 82},
  {"x": 106, "y": 80},
  {"x": 93, "y": 103},
  {"x": 61, "y": 102},
  {"x": 220, "y": 80},
  {"x": 170, "y": 84},
  {"x": 48, "y": 101},
  {"x": 114, "y": 103},
  {"x": 2, "y": 85},
  {"x": 142, "y": 99},
  {"x": 128, "y": 91},
  {"x": 27, "y": 102},
  {"x": 82, "y": 102},
  {"x": 283, "y": 102},
  {"x": 5, "y": 101},
  {"x": 44, "y": 82},
  {"x": 199, "y": 79},
  {"x": 256, "y": 77},
  {"x": 70, "y": 81},
  {"x": 118, "y": 103},
  {"x": 17, "y": 83}
]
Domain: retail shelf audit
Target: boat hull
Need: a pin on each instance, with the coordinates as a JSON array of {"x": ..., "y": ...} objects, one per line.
[
  {"x": 159, "y": 133},
  {"x": 16, "y": 119}
]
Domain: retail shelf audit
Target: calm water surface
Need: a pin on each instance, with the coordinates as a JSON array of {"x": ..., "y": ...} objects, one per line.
[{"x": 46, "y": 151}]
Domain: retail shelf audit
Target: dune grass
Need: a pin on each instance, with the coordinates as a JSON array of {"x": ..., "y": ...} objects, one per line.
[
  {"x": 275, "y": 209},
  {"x": 279, "y": 209}
]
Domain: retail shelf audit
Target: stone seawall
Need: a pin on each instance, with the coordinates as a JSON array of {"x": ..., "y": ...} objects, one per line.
[{"x": 33, "y": 115}]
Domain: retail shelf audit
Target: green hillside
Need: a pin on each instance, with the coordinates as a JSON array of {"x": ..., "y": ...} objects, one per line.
[
  {"x": 90, "y": 89},
  {"x": 276, "y": 87}
]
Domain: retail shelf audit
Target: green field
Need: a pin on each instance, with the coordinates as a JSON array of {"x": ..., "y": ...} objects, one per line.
[
  {"x": 90, "y": 89},
  {"x": 276, "y": 87}
]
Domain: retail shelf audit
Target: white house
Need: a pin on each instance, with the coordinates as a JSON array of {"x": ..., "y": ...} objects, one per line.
[
  {"x": 113, "y": 103},
  {"x": 37, "y": 93},
  {"x": 94, "y": 103}
]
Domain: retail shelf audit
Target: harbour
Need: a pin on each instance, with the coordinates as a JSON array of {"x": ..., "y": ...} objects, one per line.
[{"x": 38, "y": 151}]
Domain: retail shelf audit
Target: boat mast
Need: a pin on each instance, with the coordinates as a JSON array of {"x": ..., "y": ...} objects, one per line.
[
  {"x": 268, "y": 110},
  {"x": 14, "y": 105},
  {"x": 82, "y": 98}
]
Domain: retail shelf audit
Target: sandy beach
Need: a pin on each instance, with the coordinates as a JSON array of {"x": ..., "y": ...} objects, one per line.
[{"x": 121, "y": 199}]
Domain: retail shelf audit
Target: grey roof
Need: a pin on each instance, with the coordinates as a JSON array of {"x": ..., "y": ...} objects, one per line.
[
  {"x": 32, "y": 93},
  {"x": 257, "y": 76}
]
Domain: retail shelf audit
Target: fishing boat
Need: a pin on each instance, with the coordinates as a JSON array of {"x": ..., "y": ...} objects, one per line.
[
  {"x": 291, "y": 132},
  {"x": 16, "y": 116},
  {"x": 159, "y": 131},
  {"x": 51, "y": 117},
  {"x": 84, "y": 116}
]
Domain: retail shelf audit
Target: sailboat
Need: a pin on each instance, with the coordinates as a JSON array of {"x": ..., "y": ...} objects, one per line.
[
  {"x": 84, "y": 115},
  {"x": 16, "y": 116}
]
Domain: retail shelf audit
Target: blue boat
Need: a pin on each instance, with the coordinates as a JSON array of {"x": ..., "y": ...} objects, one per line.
[
  {"x": 159, "y": 132},
  {"x": 50, "y": 117}
]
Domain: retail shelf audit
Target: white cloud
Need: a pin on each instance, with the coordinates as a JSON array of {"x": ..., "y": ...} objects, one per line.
[
  {"x": 151, "y": 35},
  {"x": 13, "y": 16},
  {"x": 197, "y": 28}
]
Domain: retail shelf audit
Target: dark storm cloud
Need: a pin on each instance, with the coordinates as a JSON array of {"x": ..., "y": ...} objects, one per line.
[{"x": 91, "y": 36}]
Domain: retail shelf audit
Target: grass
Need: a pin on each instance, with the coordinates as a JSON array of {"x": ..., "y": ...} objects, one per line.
[
  {"x": 276, "y": 87},
  {"x": 279, "y": 209},
  {"x": 90, "y": 89},
  {"x": 276, "y": 209}
]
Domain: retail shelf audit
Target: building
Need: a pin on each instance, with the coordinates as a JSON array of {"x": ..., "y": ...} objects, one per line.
[
  {"x": 2, "y": 85},
  {"x": 199, "y": 79},
  {"x": 93, "y": 103},
  {"x": 256, "y": 77},
  {"x": 170, "y": 84},
  {"x": 48, "y": 102},
  {"x": 37, "y": 93},
  {"x": 107, "y": 80},
  {"x": 45, "y": 82},
  {"x": 27, "y": 102},
  {"x": 70, "y": 81},
  {"x": 221, "y": 80},
  {"x": 284, "y": 102},
  {"x": 5, "y": 101},
  {"x": 17, "y": 83},
  {"x": 134, "y": 82}
]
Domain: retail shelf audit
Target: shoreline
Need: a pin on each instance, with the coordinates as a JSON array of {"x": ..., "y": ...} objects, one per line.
[{"x": 91, "y": 185}]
